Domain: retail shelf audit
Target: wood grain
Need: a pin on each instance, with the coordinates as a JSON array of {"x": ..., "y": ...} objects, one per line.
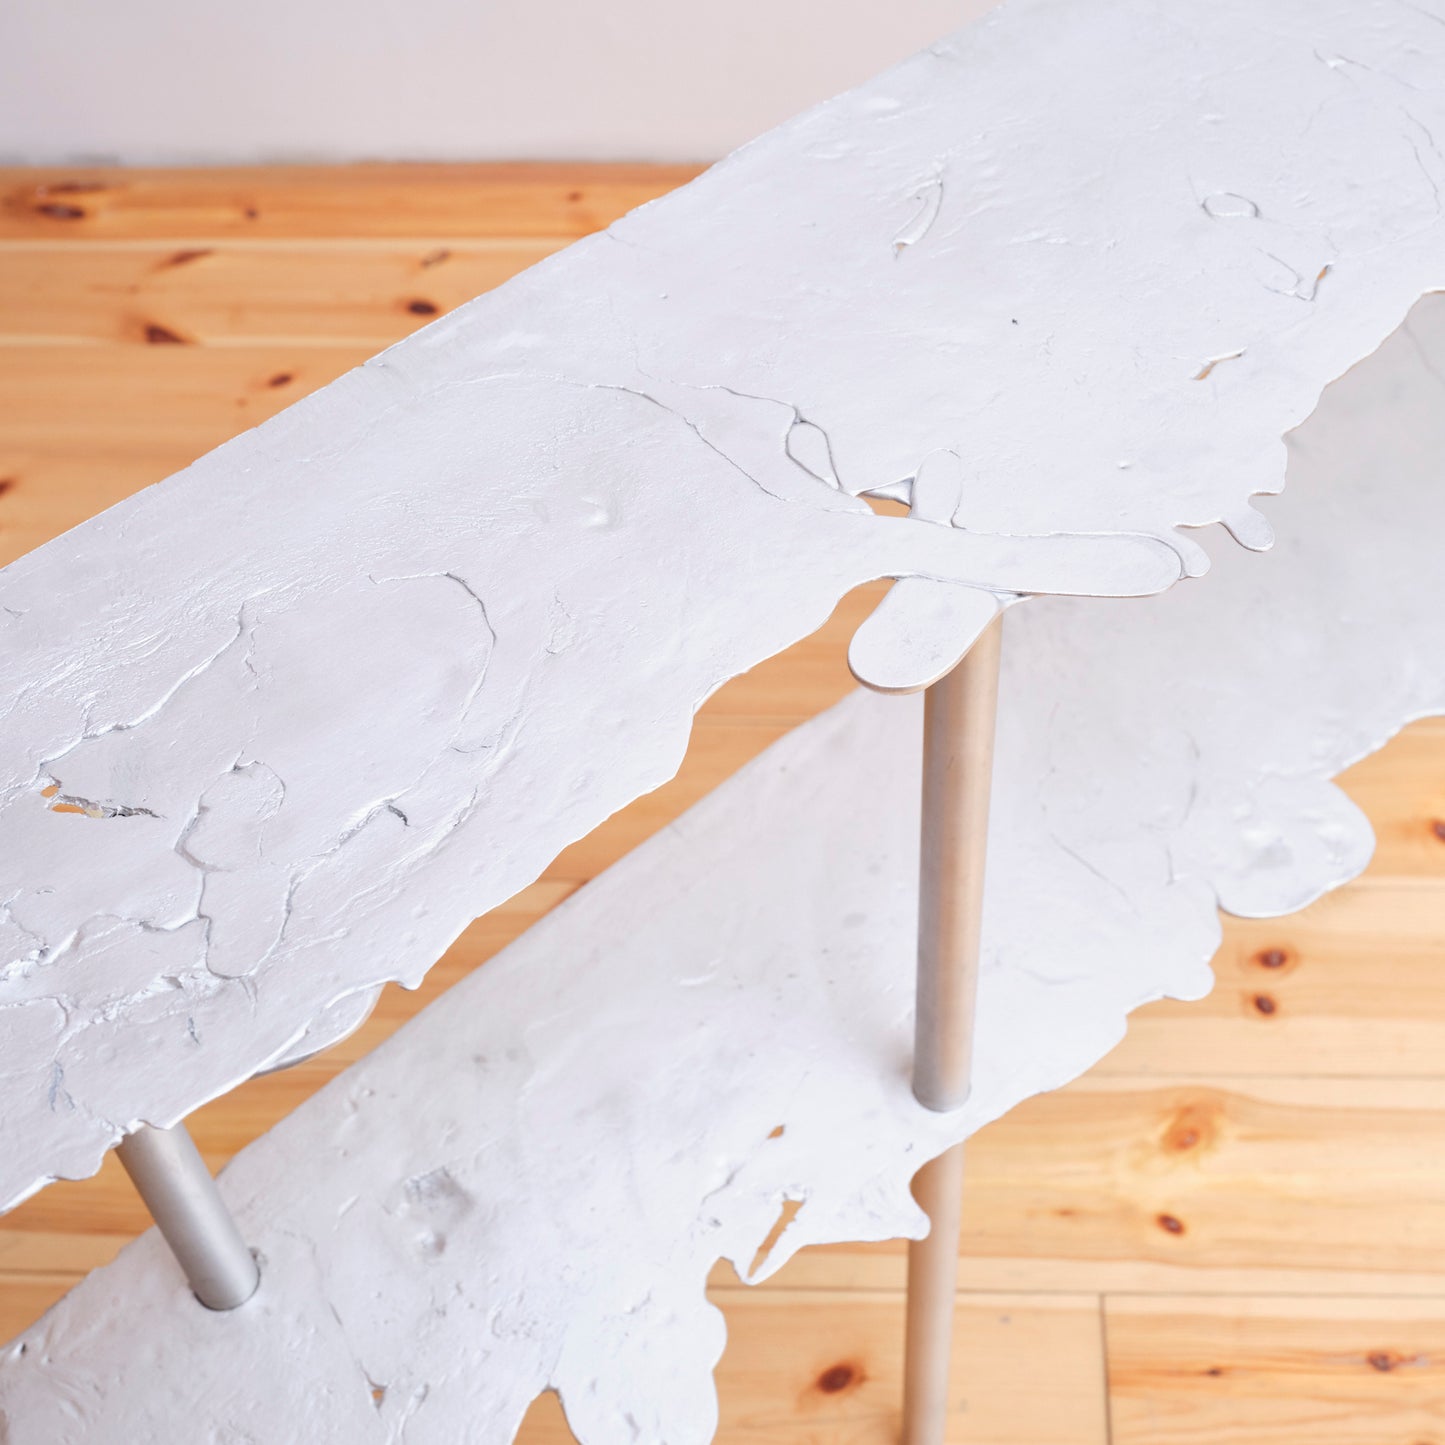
[
  {"x": 1353, "y": 986},
  {"x": 1194, "y": 1186},
  {"x": 244, "y": 293},
  {"x": 1310, "y": 1175},
  {"x": 1297, "y": 1146},
  {"x": 68, "y": 204},
  {"x": 1276, "y": 1371},
  {"x": 81, "y": 401},
  {"x": 1402, "y": 790},
  {"x": 808, "y": 1369}
]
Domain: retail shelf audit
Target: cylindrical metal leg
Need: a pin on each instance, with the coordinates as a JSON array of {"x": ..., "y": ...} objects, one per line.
[
  {"x": 170, "y": 1175},
  {"x": 932, "y": 1279},
  {"x": 958, "y": 732},
  {"x": 958, "y": 726}
]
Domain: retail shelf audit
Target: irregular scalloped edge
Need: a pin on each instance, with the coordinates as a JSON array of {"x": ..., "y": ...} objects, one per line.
[
  {"x": 526, "y": 1186},
  {"x": 502, "y": 502}
]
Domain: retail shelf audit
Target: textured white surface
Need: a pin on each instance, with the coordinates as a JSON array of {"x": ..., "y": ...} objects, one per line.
[
  {"x": 527, "y": 1185},
  {"x": 360, "y": 674}
]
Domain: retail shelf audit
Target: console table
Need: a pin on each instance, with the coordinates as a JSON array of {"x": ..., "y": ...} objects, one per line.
[{"x": 269, "y": 745}]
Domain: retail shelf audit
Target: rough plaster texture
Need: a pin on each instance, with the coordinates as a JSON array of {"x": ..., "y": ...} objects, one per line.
[
  {"x": 314, "y": 703},
  {"x": 527, "y": 1185}
]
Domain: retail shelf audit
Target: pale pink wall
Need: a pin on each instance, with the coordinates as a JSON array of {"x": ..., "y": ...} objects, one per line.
[{"x": 200, "y": 80}]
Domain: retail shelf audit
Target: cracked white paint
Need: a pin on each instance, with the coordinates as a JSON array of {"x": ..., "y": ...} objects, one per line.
[
  {"x": 527, "y": 1185},
  {"x": 382, "y": 657}
]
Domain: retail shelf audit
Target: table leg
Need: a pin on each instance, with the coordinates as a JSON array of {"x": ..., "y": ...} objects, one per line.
[
  {"x": 958, "y": 733},
  {"x": 171, "y": 1177}
]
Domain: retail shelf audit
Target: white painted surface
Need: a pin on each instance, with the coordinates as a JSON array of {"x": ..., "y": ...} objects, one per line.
[
  {"x": 527, "y": 1185},
  {"x": 924, "y": 627},
  {"x": 360, "y": 674},
  {"x": 165, "y": 82}
]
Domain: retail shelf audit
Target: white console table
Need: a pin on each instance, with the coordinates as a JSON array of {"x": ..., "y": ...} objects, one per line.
[{"x": 1061, "y": 284}]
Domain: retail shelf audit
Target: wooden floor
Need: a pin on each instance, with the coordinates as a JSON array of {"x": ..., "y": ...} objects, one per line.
[{"x": 1231, "y": 1232}]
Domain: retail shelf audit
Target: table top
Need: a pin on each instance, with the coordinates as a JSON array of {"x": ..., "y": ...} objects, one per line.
[
  {"x": 527, "y": 1186},
  {"x": 275, "y": 730}
]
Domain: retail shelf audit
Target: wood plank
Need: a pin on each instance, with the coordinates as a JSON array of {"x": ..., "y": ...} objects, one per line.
[
  {"x": 882, "y": 1269},
  {"x": 1308, "y": 1174},
  {"x": 81, "y": 428},
  {"x": 1276, "y": 1371},
  {"x": 1354, "y": 985},
  {"x": 1318, "y": 1186},
  {"x": 25, "y": 1300},
  {"x": 46, "y": 488},
  {"x": 64, "y": 204},
  {"x": 83, "y": 400},
  {"x": 1402, "y": 790},
  {"x": 805, "y": 1369},
  {"x": 62, "y": 1252},
  {"x": 236, "y": 292}
]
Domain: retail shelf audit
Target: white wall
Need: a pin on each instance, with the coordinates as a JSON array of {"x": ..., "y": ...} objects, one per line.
[{"x": 174, "y": 81}]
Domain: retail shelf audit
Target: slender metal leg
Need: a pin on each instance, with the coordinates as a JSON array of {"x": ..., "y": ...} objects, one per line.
[
  {"x": 172, "y": 1179},
  {"x": 958, "y": 731}
]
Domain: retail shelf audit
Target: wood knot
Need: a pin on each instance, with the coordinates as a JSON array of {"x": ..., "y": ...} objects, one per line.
[
  {"x": 1264, "y": 1003},
  {"x": 1386, "y": 1360},
  {"x": 61, "y": 211},
  {"x": 1192, "y": 1126},
  {"x": 839, "y": 1377},
  {"x": 184, "y": 258},
  {"x": 1170, "y": 1224},
  {"x": 1271, "y": 958},
  {"x": 282, "y": 378},
  {"x": 1438, "y": 829},
  {"x": 422, "y": 307},
  {"x": 158, "y": 335}
]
